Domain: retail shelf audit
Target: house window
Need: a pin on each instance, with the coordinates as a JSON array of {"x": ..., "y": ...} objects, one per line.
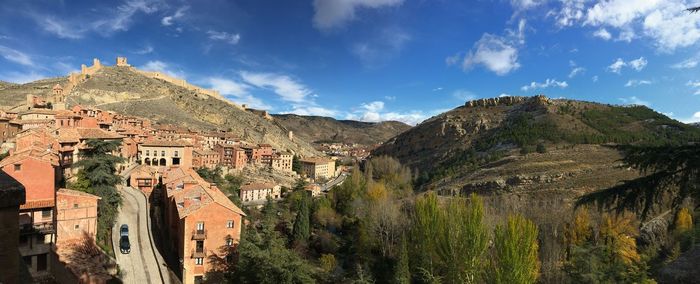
[
  {"x": 42, "y": 262},
  {"x": 75, "y": 205},
  {"x": 229, "y": 224},
  {"x": 175, "y": 153},
  {"x": 46, "y": 214},
  {"x": 77, "y": 227},
  {"x": 18, "y": 167},
  {"x": 162, "y": 153},
  {"x": 199, "y": 279},
  {"x": 199, "y": 260},
  {"x": 200, "y": 226},
  {"x": 229, "y": 241},
  {"x": 147, "y": 153}
]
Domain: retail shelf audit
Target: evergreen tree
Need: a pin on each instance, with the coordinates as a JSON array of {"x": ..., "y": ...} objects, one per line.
[
  {"x": 514, "y": 258},
  {"x": 302, "y": 228},
  {"x": 98, "y": 169},
  {"x": 669, "y": 171}
]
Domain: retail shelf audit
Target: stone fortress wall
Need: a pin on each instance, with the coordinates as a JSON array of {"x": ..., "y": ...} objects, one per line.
[{"x": 87, "y": 71}]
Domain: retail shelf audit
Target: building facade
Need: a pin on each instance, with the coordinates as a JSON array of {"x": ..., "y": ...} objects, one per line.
[
  {"x": 166, "y": 153},
  {"x": 76, "y": 216},
  {"x": 316, "y": 168},
  {"x": 253, "y": 192}
]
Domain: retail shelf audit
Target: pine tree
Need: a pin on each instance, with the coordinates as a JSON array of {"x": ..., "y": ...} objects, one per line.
[
  {"x": 302, "y": 230},
  {"x": 514, "y": 257},
  {"x": 98, "y": 168}
]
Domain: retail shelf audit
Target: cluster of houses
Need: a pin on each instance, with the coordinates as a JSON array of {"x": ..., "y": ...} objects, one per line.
[{"x": 44, "y": 143}]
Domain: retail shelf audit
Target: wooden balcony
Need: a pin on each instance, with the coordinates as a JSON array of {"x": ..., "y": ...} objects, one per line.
[
  {"x": 37, "y": 228},
  {"x": 199, "y": 252}
]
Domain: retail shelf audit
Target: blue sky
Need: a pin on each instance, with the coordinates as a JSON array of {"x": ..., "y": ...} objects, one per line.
[{"x": 375, "y": 60}]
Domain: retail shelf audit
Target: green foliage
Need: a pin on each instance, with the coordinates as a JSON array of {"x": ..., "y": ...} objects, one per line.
[
  {"x": 391, "y": 172},
  {"x": 263, "y": 258},
  {"x": 450, "y": 242},
  {"x": 98, "y": 176},
  {"x": 402, "y": 273},
  {"x": 4, "y": 155},
  {"x": 668, "y": 171},
  {"x": 541, "y": 148},
  {"x": 302, "y": 227},
  {"x": 296, "y": 165},
  {"x": 514, "y": 259}
]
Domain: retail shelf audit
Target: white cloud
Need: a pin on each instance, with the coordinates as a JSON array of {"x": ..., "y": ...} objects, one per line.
[
  {"x": 165, "y": 68},
  {"x": 665, "y": 22},
  {"x": 145, "y": 50},
  {"x": 549, "y": 83},
  {"x": 526, "y": 4},
  {"x": 16, "y": 56},
  {"x": 602, "y": 33},
  {"x": 633, "y": 100},
  {"x": 636, "y": 64},
  {"x": 106, "y": 21},
  {"x": 502, "y": 95},
  {"x": 463, "y": 95},
  {"x": 576, "y": 71},
  {"x": 60, "y": 28},
  {"x": 21, "y": 78},
  {"x": 693, "y": 119},
  {"x": 331, "y": 14},
  {"x": 595, "y": 78},
  {"x": 616, "y": 67},
  {"x": 287, "y": 88},
  {"x": 635, "y": 83},
  {"x": 168, "y": 20},
  {"x": 694, "y": 85},
  {"x": 382, "y": 48},
  {"x": 437, "y": 89},
  {"x": 120, "y": 19},
  {"x": 375, "y": 112},
  {"x": 494, "y": 53},
  {"x": 237, "y": 91},
  {"x": 688, "y": 63},
  {"x": 312, "y": 110},
  {"x": 224, "y": 36}
]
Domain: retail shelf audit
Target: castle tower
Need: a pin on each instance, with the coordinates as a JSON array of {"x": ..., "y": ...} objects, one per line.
[
  {"x": 121, "y": 61},
  {"x": 59, "y": 99},
  {"x": 96, "y": 63}
]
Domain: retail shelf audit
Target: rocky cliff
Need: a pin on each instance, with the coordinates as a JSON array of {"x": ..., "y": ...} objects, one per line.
[{"x": 326, "y": 129}]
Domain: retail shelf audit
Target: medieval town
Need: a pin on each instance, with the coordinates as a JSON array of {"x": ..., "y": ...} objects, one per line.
[{"x": 43, "y": 140}]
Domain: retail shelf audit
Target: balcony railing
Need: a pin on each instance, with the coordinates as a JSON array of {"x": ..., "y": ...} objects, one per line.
[
  {"x": 39, "y": 227},
  {"x": 199, "y": 252},
  {"x": 199, "y": 234}
]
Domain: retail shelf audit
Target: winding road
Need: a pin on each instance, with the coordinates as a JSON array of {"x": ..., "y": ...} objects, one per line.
[{"x": 143, "y": 264}]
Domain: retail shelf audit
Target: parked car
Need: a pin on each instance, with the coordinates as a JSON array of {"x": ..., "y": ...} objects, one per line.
[
  {"x": 124, "y": 245},
  {"x": 124, "y": 230}
]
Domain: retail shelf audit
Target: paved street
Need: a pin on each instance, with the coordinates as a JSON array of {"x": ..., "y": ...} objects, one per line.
[
  {"x": 143, "y": 264},
  {"x": 338, "y": 180}
]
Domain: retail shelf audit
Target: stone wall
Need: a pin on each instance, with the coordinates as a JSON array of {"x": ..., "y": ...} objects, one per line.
[
  {"x": 507, "y": 101},
  {"x": 180, "y": 82}
]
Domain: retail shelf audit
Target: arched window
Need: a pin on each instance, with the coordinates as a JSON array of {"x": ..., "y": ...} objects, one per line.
[{"x": 162, "y": 162}]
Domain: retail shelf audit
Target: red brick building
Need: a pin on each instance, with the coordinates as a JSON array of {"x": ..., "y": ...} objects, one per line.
[
  {"x": 76, "y": 215},
  {"x": 231, "y": 156},
  {"x": 37, "y": 170},
  {"x": 202, "y": 222}
]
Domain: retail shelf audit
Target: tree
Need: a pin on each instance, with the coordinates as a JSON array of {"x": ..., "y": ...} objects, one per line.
[
  {"x": 514, "y": 258},
  {"x": 263, "y": 258},
  {"x": 668, "y": 172},
  {"x": 302, "y": 229},
  {"x": 693, "y": 9},
  {"x": 402, "y": 274},
  {"x": 541, "y": 148},
  {"x": 98, "y": 176},
  {"x": 296, "y": 165}
]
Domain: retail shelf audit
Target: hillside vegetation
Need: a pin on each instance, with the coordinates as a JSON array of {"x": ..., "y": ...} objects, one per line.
[{"x": 318, "y": 129}]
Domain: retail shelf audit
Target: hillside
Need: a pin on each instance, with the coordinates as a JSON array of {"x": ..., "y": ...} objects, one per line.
[
  {"x": 326, "y": 129},
  {"x": 125, "y": 91},
  {"x": 490, "y": 147}
]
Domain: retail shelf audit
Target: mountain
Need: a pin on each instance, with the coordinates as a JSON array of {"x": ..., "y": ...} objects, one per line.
[
  {"x": 129, "y": 91},
  {"x": 325, "y": 129},
  {"x": 530, "y": 155},
  {"x": 697, "y": 124}
]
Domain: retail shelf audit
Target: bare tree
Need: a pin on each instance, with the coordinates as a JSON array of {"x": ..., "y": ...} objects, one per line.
[{"x": 693, "y": 9}]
